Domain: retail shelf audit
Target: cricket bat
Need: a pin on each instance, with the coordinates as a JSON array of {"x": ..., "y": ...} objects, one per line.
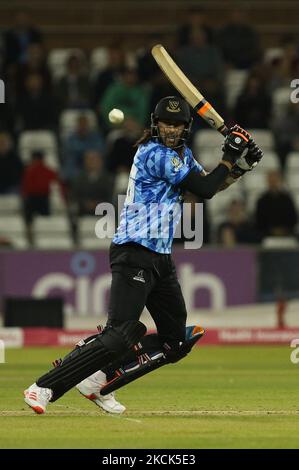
[{"x": 193, "y": 96}]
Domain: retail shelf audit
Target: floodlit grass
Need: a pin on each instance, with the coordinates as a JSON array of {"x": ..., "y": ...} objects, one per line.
[{"x": 217, "y": 397}]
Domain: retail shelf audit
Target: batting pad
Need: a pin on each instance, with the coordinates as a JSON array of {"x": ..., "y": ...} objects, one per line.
[
  {"x": 147, "y": 362},
  {"x": 98, "y": 352}
]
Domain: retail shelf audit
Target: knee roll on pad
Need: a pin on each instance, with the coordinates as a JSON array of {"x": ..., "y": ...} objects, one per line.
[{"x": 98, "y": 352}]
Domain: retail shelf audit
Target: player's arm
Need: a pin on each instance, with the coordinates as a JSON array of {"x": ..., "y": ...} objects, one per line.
[
  {"x": 228, "y": 181},
  {"x": 207, "y": 186}
]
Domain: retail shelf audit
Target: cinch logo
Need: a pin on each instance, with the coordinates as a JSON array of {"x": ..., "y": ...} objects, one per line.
[
  {"x": 86, "y": 294},
  {"x": 2, "y": 92}
]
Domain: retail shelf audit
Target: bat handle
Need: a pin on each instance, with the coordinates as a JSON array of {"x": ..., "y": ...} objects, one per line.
[{"x": 223, "y": 130}]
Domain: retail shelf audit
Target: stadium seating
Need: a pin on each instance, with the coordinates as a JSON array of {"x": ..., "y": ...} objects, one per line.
[
  {"x": 254, "y": 180},
  {"x": 292, "y": 161},
  {"x": 10, "y": 204},
  {"x": 54, "y": 224},
  {"x": 69, "y": 118},
  {"x": 12, "y": 228},
  {"x": 39, "y": 140},
  {"x": 292, "y": 180},
  {"x": 234, "y": 83},
  {"x": 263, "y": 138},
  {"x": 219, "y": 204},
  {"x": 251, "y": 199},
  {"x": 270, "y": 161},
  {"x": 57, "y": 60},
  {"x": 43, "y": 242},
  {"x": 121, "y": 183},
  {"x": 93, "y": 243},
  {"x": 280, "y": 243},
  {"x": 86, "y": 225},
  {"x": 209, "y": 158},
  {"x": 281, "y": 100},
  {"x": 52, "y": 231},
  {"x": 57, "y": 202},
  {"x": 88, "y": 238},
  {"x": 206, "y": 139},
  {"x": 272, "y": 53},
  {"x": 98, "y": 59}
]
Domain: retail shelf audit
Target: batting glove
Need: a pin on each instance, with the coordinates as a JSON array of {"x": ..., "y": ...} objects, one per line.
[
  {"x": 252, "y": 158},
  {"x": 236, "y": 144}
]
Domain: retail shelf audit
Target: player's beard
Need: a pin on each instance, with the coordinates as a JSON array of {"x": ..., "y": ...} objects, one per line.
[{"x": 171, "y": 137}]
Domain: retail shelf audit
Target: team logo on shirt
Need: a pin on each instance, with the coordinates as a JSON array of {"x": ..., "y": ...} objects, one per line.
[
  {"x": 173, "y": 106},
  {"x": 177, "y": 163}
]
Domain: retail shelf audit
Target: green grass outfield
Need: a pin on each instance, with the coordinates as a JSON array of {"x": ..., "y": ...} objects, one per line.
[{"x": 217, "y": 397}]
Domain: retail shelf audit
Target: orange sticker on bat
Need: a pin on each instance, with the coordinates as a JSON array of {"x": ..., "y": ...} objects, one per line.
[{"x": 204, "y": 109}]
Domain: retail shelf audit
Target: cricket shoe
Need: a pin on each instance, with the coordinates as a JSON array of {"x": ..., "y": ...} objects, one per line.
[
  {"x": 37, "y": 398},
  {"x": 91, "y": 388}
]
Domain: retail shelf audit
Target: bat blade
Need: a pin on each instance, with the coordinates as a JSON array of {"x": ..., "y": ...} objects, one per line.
[{"x": 191, "y": 94}]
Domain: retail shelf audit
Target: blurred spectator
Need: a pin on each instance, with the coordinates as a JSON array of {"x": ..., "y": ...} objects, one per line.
[
  {"x": 36, "y": 184},
  {"x": 239, "y": 42},
  {"x": 196, "y": 18},
  {"x": 7, "y": 115},
  {"x": 10, "y": 165},
  {"x": 35, "y": 64},
  {"x": 115, "y": 65},
  {"x": 161, "y": 87},
  {"x": 253, "y": 106},
  {"x": 286, "y": 132},
  {"x": 36, "y": 109},
  {"x": 127, "y": 95},
  {"x": 19, "y": 38},
  {"x": 121, "y": 150},
  {"x": 75, "y": 146},
  {"x": 146, "y": 66},
  {"x": 92, "y": 186},
  {"x": 202, "y": 63},
  {"x": 237, "y": 229},
  {"x": 5, "y": 243},
  {"x": 72, "y": 90},
  {"x": 290, "y": 59},
  {"x": 200, "y": 60},
  {"x": 285, "y": 67},
  {"x": 275, "y": 211}
]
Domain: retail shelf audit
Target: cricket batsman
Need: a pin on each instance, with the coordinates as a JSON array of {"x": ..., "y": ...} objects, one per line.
[{"x": 143, "y": 271}]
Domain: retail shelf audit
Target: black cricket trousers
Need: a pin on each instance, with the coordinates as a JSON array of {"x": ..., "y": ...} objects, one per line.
[{"x": 141, "y": 277}]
